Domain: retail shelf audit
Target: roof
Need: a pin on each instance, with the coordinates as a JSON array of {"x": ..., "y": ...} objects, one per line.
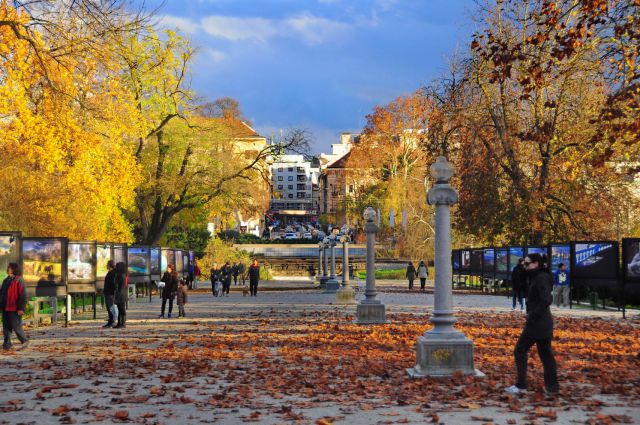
[
  {"x": 239, "y": 129},
  {"x": 340, "y": 162}
]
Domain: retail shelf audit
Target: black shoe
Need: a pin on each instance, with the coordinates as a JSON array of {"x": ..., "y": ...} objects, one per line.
[
  {"x": 108, "y": 325},
  {"x": 161, "y": 316},
  {"x": 25, "y": 345},
  {"x": 6, "y": 347},
  {"x": 118, "y": 327},
  {"x": 169, "y": 316}
]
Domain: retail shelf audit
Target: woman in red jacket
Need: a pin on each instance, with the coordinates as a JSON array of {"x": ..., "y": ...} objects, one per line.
[{"x": 13, "y": 299}]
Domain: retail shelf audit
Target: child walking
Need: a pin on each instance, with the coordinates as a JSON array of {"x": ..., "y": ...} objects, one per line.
[{"x": 182, "y": 297}]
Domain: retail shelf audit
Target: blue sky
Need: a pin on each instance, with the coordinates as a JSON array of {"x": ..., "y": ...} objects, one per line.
[{"x": 317, "y": 64}]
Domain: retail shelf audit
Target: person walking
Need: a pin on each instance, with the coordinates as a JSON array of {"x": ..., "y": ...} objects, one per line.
[
  {"x": 191, "y": 271},
  {"x": 518, "y": 284},
  {"x": 423, "y": 274},
  {"x": 226, "y": 273},
  {"x": 121, "y": 294},
  {"x": 242, "y": 270},
  {"x": 182, "y": 298},
  {"x": 254, "y": 277},
  {"x": 197, "y": 273},
  {"x": 561, "y": 289},
  {"x": 215, "y": 277},
  {"x": 235, "y": 272},
  {"x": 538, "y": 329},
  {"x": 109, "y": 292},
  {"x": 170, "y": 279},
  {"x": 13, "y": 302},
  {"x": 411, "y": 274}
]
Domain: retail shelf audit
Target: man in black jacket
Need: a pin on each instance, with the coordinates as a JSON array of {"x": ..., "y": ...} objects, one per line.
[
  {"x": 109, "y": 292},
  {"x": 538, "y": 328},
  {"x": 518, "y": 284}
]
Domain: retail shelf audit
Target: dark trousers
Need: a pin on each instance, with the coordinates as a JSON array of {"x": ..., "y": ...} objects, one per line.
[
  {"x": 235, "y": 279},
  {"x": 423, "y": 282},
  {"x": 180, "y": 310},
  {"x": 410, "y": 283},
  {"x": 253, "y": 288},
  {"x": 108, "y": 300},
  {"x": 243, "y": 279},
  {"x": 164, "y": 302},
  {"x": 11, "y": 321},
  {"x": 226, "y": 286},
  {"x": 545, "y": 352},
  {"x": 519, "y": 295},
  {"x": 122, "y": 313}
]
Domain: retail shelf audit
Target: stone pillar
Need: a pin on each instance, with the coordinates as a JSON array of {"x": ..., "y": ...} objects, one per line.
[
  {"x": 319, "y": 274},
  {"x": 346, "y": 294},
  {"x": 332, "y": 284},
  {"x": 325, "y": 268},
  {"x": 370, "y": 310},
  {"x": 443, "y": 349}
]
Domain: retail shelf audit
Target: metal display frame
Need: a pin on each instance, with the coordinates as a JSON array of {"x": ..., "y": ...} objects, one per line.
[
  {"x": 48, "y": 288},
  {"x": 139, "y": 277},
  {"x": 86, "y": 286},
  {"x": 596, "y": 283},
  {"x": 17, "y": 236}
]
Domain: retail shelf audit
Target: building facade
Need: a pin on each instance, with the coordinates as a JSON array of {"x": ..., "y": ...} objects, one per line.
[{"x": 294, "y": 190}]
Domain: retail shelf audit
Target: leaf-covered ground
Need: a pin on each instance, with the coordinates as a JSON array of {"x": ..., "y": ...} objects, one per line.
[{"x": 299, "y": 363}]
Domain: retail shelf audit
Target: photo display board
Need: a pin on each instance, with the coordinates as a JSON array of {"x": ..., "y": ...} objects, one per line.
[
  {"x": 542, "y": 250},
  {"x": 139, "y": 261},
  {"x": 9, "y": 251},
  {"x": 465, "y": 259},
  {"x": 155, "y": 262},
  {"x": 179, "y": 262},
  {"x": 120, "y": 253},
  {"x": 594, "y": 260},
  {"x": 488, "y": 262},
  {"x": 560, "y": 254},
  {"x": 502, "y": 263},
  {"x": 515, "y": 253},
  {"x": 631, "y": 259},
  {"x": 167, "y": 256},
  {"x": 45, "y": 265},
  {"x": 456, "y": 256},
  {"x": 81, "y": 262},
  {"x": 476, "y": 260},
  {"x": 104, "y": 253}
]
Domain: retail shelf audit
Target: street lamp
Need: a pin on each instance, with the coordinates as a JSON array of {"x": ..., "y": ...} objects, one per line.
[
  {"x": 370, "y": 310},
  {"x": 346, "y": 294},
  {"x": 332, "y": 283}
]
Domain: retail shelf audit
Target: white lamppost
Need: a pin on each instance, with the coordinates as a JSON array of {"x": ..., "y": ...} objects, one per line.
[
  {"x": 443, "y": 349},
  {"x": 370, "y": 310},
  {"x": 332, "y": 284},
  {"x": 345, "y": 294}
]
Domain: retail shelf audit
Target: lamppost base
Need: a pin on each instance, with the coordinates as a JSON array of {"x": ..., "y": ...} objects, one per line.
[
  {"x": 332, "y": 286},
  {"x": 443, "y": 354},
  {"x": 323, "y": 281},
  {"x": 345, "y": 295},
  {"x": 370, "y": 313}
]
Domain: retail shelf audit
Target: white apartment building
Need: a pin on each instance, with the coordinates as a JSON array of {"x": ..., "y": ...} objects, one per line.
[{"x": 294, "y": 189}]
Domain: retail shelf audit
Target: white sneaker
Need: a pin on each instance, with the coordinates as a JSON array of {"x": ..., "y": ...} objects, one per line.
[{"x": 515, "y": 390}]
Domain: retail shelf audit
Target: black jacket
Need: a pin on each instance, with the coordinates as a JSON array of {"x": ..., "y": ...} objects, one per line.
[
  {"x": 215, "y": 275},
  {"x": 110, "y": 283},
  {"x": 539, "y": 320},
  {"x": 518, "y": 279},
  {"x": 170, "y": 285},
  {"x": 254, "y": 274},
  {"x": 122, "y": 292}
]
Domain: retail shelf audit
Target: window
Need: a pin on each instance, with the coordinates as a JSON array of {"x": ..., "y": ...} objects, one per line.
[
  {"x": 280, "y": 168},
  {"x": 300, "y": 178},
  {"x": 280, "y": 178},
  {"x": 301, "y": 187},
  {"x": 351, "y": 188},
  {"x": 290, "y": 178},
  {"x": 290, "y": 186},
  {"x": 291, "y": 196},
  {"x": 301, "y": 195},
  {"x": 290, "y": 169},
  {"x": 279, "y": 187},
  {"x": 300, "y": 169}
]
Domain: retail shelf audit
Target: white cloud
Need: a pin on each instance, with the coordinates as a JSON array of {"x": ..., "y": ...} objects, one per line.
[
  {"x": 315, "y": 30},
  {"x": 185, "y": 25},
  {"x": 216, "y": 56},
  {"x": 237, "y": 29}
]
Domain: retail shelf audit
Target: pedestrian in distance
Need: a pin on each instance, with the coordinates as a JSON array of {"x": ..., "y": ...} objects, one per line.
[
  {"x": 121, "y": 294},
  {"x": 13, "y": 302},
  {"x": 170, "y": 279},
  {"x": 226, "y": 273},
  {"x": 182, "y": 297},
  {"x": 242, "y": 271},
  {"x": 411, "y": 274},
  {"x": 215, "y": 278},
  {"x": 538, "y": 329},
  {"x": 109, "y": 292},
  {"x": 191, "y": 271},
  {"x": 235, "y": 272},
  {"x": 197, "y": 273},
  {"x": 518, "y": 284},
  {"x": 423, "y": 274},
  {"x": 254, "y": 277},
  {"x": 561, "y": 291}
]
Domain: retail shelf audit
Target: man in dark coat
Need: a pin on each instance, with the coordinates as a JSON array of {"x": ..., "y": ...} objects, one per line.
[
  {"x": 226, "y": 271},
  {"x": 235, "y": 271},
  {"x": 538, "y": 328},
  {"x": 121, "y": 294},
  {"x": 242, "y": 270},
  {"x": 109, "y": 292},
  {"x": 254, "y": 277},
  {"x": 518, "y": 284},
  {"x": 13, "y": 302}
]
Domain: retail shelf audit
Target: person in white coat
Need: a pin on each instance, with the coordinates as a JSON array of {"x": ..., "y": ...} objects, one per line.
[{"x": 423, "y": 274}]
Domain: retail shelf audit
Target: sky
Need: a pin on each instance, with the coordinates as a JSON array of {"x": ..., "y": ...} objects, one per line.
[{"x": 321, "y": 65}]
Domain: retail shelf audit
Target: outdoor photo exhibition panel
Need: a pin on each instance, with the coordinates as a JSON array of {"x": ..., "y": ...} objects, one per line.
[
  {"x": 81, "y": 267},
  {"x": 488, "y": 262},
  {"x": 594, "y": 269},
  {"x": 542, "y": 250},
  {"x": 560, "y": 254},
  {"x": 185, "y": 263},
  {"x": 179, "y": 263},
  {"x": 631, "y": 260},
  {"x": 167, "y": 256},
  {"x": 155, "y": 263},
  {"x": 476, "y": 262},
  {"x": 502, "y": 263},
  {"x": 515, "y": 253},
  {"x": 465, "y": 261},
  {"x": 120, "y": 253},
  {"x": 10, "y": 251},
  {"x": 104, "y": 253},
  {"x": 45, "y": 266},
  {"x": 139, "y": 264}
]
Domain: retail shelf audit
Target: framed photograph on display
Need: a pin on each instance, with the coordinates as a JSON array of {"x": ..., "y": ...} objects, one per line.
[
  {"x": 155, "y": 262},
  {"x": 120, "y": 253},
  {"x": 139, "y": 261},
  {"x": 594, "y": 260},
  {"x": 515, "y": 253},
  {"x": 167, "y": 256},
  {"x": 10, "y": 251},
  {"x": 81, "y": 262},
  {"x": 465, "y": 259},
  {"x": 560, "y": 254},
  {"x": 455, "y": 259},
  {"x": 502, "y": 263},
  {"x": 631, "y": 259},
  {"x": 179, "y": 262},
  {"x": 104, "y": 253},
  {"x": 476, "y": 260},
  {"x": 488, "y": 262},
  {"x": 542, "y": 250},
  {"x": 44, "y": 265}
]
